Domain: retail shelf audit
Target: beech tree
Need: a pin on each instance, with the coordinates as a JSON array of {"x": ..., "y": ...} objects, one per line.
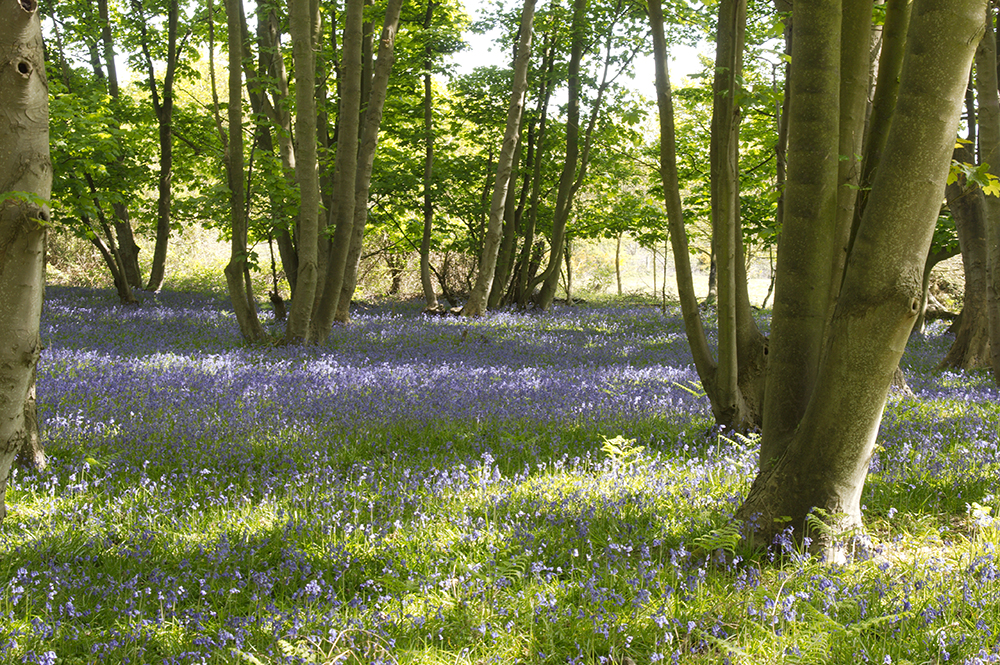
[
  {"x": 847, "y": 294},
  {"x": 302, "y": 28},
  {"x": 25, "y": 184},
  {"x": 237, "y": 275},
  {"x": 817, "y": 442},
  {"x": 967, "y": 203},
  {"x": 989, "y": 106}
]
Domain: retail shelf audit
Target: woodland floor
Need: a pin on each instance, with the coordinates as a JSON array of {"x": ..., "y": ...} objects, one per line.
[{"x": 519, "y": 489}]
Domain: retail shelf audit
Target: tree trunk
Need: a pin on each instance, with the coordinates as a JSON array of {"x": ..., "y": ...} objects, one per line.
[
  {"x": 164, "y": 109},
  {"x": 933, "y": 258},
  {"x": 663, "y": 286},
  {"x": 345, "y": 173},
  {"x": 971, "y": 348},
  {"x": 807, "y": 250},
  {"x": 989, "y": 145},
  {"x": 123, "y": 225},
  {"x": 511, "y": 217},
  {"x": 306, "y": 171},
  {"x": 855, "y": 85},
  {"x": 728, "y": 400},
  {"x": 735, "y": 392},
  {"x": 25, "y": 169},
  {"x": 110, "y": 253},
  {"x": 781, "y": 115},
  {"x": 476, "y": 304},
  {"x": 897, "y": 21},
  {"x": 822, "y": 464},
  {"x": 618, "y": 266},
  {"x": 654, "y": 269},
  {"x": 32, "y": 453},
  {"x": 712, "y": 294},
  {"x": 273, "y": 64},
  {"x": 239, "y": 291},
  {"x": 366, "y": 153},
  {"x": 693, "y": 326},
  {"x": 523, "y": 273},
  {"x": 270, "y": 70},
  {"x": 430, "y": 295},
  {"x": 577, "y": 157},
  {"x": 569, "y": 274}
]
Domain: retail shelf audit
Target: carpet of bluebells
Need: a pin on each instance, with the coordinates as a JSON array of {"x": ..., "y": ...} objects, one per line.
[{"x": 519, "y": 489}]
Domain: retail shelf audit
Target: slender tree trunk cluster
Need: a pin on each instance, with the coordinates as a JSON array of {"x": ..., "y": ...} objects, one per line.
[
  {"x": 476, "y": 304},
  {"x": 989, "y": 138},
  {"x": 321, "y": 256},
  {"x": 523, "y": 280}
]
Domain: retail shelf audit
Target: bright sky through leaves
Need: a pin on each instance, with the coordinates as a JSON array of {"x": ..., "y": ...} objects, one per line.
[{"x": 483, "y": 51}]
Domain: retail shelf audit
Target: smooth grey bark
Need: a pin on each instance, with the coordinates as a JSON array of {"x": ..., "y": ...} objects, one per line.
[
  {"x": 807, "y": 249},
  {"x": 897, "y": 21},
  {"x": 476, "y": 304},
  {"x": 855, "y": 85},
  {"x": 781, "y": 146},
  {"x": 301, "y": 28},
  {"x": 341, "y": 215},
  {"x": 971, "y": 347},
  {"x": 366, "y": 152},
  {"x": 823, "y": 465},
  {"x": 24, "y": 167},
  {"x": 693, "y": 326},
  {"x": 734, "y": 392},
  {"x": 989, "y": 145},
  {"x": 239, "y": 290},
  {"x": 738, "y": 389}
]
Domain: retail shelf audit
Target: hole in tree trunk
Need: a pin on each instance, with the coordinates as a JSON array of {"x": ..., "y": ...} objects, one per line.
[
  {"x": 29, "y": 5},
  {"x": 24, "y": 68}
]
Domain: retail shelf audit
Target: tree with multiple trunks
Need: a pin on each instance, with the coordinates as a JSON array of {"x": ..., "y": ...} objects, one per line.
[
  {"x": 25, "y": 187},
  {"x": 848, "y": 286}
]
